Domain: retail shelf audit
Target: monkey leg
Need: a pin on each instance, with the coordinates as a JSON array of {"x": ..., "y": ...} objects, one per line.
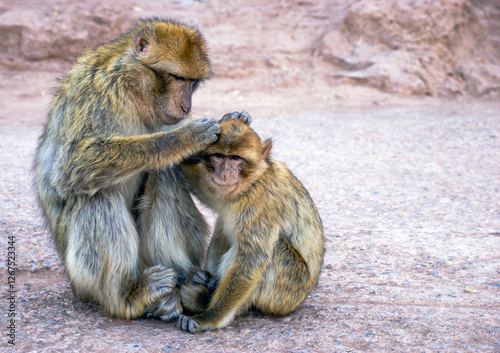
[
  {"x": 172, "y": 232},
  {"x": 286, "y": 283},
  {"x": 102, "y": 256}
]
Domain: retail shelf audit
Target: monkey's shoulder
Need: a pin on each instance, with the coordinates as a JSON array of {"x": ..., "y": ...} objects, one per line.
[{"x": 285, "y": 180}]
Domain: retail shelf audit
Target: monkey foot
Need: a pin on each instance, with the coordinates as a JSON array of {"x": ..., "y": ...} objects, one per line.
[
  {"x": 166, "y": 308},
  {"x": 188, "y": 324},
  {"x": 205, "y": 279}
]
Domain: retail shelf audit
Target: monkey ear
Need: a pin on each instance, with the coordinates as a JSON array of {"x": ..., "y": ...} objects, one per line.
[
  {"x": 141, "y": 46},
  {"x": 143, "y": 41},
  {"x": 266, "y": 147}
]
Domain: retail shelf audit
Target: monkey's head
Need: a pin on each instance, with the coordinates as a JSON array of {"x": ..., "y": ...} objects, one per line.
[
  {"x": 173, "y": 61},
  {"x": 237, "y": 159}
]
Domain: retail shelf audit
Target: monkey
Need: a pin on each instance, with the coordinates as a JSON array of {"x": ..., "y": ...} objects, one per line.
[
  {"x": 106, "y": 169},
  {"x": 267, "y": 246}
]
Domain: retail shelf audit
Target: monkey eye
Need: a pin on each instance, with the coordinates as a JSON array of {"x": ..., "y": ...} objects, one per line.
[
  {"x": 196, "y": 84},
  {"x": 218, "y": 155},
  {"x": 179, "y": 77},
  {"x": 235, "y": 158}
]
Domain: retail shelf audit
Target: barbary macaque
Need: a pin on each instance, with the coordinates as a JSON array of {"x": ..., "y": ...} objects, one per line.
[
  {"x": 125, "y": 227},
  {"x": 267, "y": 248}
]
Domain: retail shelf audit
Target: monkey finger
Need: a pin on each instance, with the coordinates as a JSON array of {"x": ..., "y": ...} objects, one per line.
[
  {"x": 193, "y": 326},
  {"x": 205, "y": 279},
  {"x": 214, "y": 129},
  {"x": 167, "y": 308},
  {"x": 165, "y": 276},
  {"x": 201, "y": 277},
  {"x": 226, "y": 117},
  {"x": 247, "y": 119},
  {"x": 212, "y": 284},
  {"x": 188, "y": 324},
  {"x": 246, "y": 116},
  {"x": 166, "y": 283},
  {"x": 184, "y": 323},
  {"x": 171, "y": 315},
  {"x": 152, "y": 269},
  {"x": 160, "y": 271}
]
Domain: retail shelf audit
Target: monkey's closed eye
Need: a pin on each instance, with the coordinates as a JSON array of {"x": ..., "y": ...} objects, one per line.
[
  {"x": 217, "y": 155},
  {"x": 179, "y": 77}
]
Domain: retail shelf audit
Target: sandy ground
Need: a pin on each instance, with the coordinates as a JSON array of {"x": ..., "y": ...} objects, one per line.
[
  {"x": 408, "y": 190},
  {"x": 409, "y": 200}
]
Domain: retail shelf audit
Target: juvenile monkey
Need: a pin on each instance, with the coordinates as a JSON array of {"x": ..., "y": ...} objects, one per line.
[
  {"x": 267, "y": 248},
  {"x": 124, "y": 226}
]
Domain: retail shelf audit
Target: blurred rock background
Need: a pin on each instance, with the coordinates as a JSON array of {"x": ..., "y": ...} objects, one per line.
[{"x": 441, "y": 48}]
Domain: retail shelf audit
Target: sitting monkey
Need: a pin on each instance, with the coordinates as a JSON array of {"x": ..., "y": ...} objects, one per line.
[{"x": 267, "y": 248}]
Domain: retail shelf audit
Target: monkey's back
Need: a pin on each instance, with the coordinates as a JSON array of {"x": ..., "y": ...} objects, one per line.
[
  {"x": 299, "y": 245},
  {"x": 302, "y": 225},
  {"x": 85, "y": 107}
]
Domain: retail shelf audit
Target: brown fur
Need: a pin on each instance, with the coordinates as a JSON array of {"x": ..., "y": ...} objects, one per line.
[
  {"x": 268, "y": 245},
  {"x": 105, "y": 169}
]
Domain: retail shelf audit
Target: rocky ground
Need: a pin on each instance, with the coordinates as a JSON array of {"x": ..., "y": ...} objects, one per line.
[{"x": 387, "y": 111}]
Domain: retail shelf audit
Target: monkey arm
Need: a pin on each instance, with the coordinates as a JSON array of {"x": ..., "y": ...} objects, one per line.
[
  {"x": 234, "y": 293},
  {"x": 197, "y": 185},
  {"x": 101, "y": 162},
  {"x": 191, "y": 170}
]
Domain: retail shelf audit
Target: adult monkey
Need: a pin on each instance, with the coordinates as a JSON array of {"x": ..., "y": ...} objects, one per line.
[{"x": 124, "y": 226}]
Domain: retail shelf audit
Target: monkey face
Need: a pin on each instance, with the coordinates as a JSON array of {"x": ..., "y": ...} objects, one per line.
[
  {"x": 237, "y": 159},
  {"x": 226, "y": 171},
  {"x": 175, "y": 59},
  {"x": 173, "y": 98}
]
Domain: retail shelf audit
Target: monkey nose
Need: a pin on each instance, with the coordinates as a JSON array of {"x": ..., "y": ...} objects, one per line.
[{"x": 186, "y": 106}]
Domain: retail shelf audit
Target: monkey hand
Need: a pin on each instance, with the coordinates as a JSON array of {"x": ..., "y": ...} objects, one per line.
[
  {"x": 244, "y": 116},
  {"x": 190, "y": 324},
  {"x": 195, "y": 297},
  {"x": 203, "y": 132},
  {"x": 166, "y": 308},
  {"x": 158, "y": 282},
  {"x": 205, "y": 278}
]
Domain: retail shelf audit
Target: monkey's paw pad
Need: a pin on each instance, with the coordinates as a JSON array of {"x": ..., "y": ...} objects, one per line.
[{"x": 188, "y": 324}]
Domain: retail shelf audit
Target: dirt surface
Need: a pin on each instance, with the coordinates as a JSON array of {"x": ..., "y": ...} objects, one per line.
[{"x": 402, "y": 162}]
